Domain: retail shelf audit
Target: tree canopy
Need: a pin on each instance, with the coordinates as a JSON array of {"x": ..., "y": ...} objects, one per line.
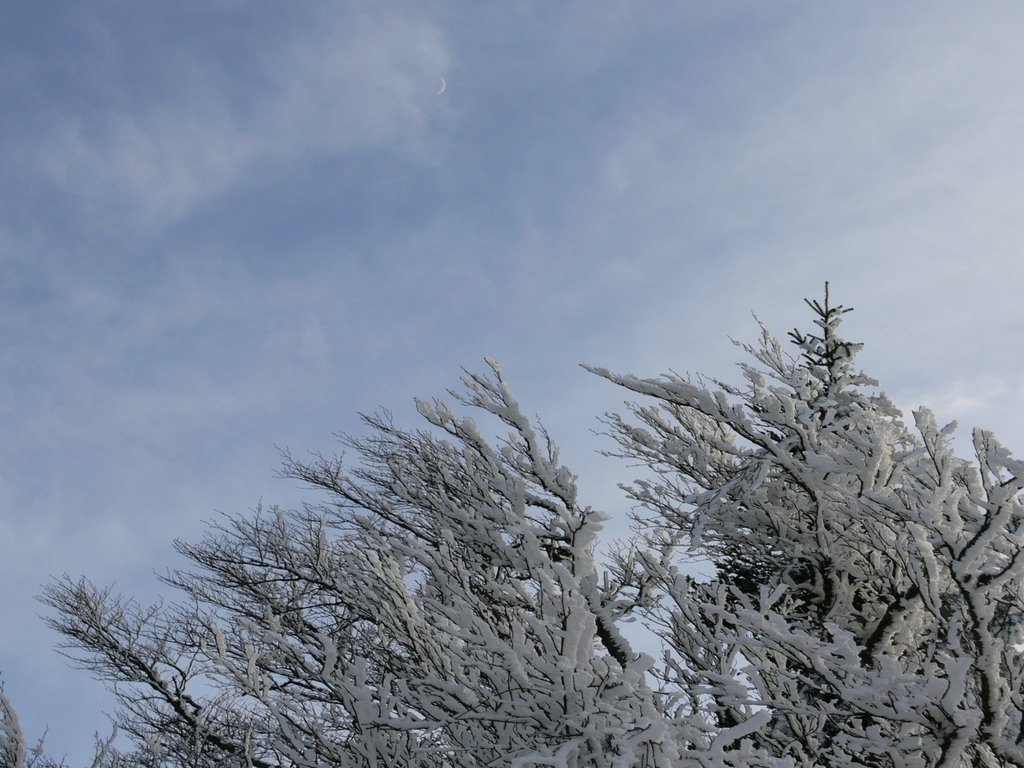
[{"x": 445, "y": 602}]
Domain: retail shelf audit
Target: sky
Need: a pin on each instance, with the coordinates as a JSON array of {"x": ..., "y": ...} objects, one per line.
[{"x": 228, "y": 228}]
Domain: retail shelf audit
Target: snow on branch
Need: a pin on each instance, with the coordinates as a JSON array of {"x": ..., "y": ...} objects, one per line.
[{"x": 442, "y": 602}]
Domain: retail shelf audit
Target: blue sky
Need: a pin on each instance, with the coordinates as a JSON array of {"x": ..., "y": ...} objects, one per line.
[{"x": 226, "y": 227}]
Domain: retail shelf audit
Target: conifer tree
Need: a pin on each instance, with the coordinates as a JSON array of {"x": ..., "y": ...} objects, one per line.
[{"x": 868, "y": 596}]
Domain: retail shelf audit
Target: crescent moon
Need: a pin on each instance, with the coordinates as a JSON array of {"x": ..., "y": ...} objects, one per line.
[{"x": 444, "y": 86}]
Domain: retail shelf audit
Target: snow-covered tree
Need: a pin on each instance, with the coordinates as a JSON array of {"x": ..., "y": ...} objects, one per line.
[
  {"x": 445, "y": 604},
  {"x": 868, "y": 599},
  {"x": 12, "y": 738},
  {"x": 15, "y": 752}
]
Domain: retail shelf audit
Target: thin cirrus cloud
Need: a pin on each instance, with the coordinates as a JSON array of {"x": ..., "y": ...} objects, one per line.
[
  {"x": 350, "y": 83},
  {"x": 868, "y": 159}
]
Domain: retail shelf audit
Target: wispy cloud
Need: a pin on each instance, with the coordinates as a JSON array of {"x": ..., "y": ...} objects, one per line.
[{"x": 351, "y": 82}]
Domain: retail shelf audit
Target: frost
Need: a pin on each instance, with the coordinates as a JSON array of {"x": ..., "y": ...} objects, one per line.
[{"x": 444, "y": 606}]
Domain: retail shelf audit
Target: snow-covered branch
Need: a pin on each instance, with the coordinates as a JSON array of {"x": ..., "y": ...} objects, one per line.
[{"x": 443, "y": 604}]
